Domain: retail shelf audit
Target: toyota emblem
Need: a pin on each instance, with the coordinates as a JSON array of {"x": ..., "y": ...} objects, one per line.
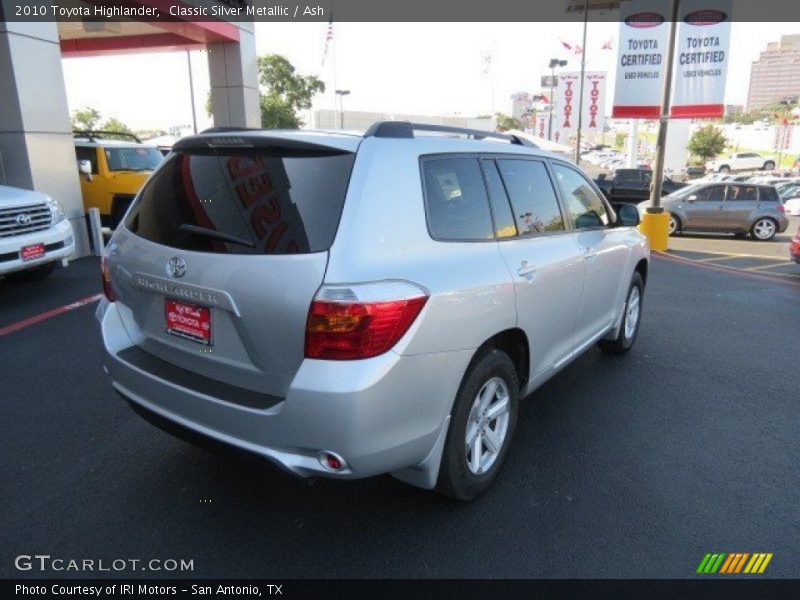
[
  {"x": 176, "y": 267},
  {"x": 23, "y": 219}
]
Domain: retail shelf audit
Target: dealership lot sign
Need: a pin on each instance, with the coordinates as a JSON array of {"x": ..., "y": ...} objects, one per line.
[
  {"x": 641, "y": 56},
  {"x": 594, "y": 94},
  {"x": 701, "y": 59}
]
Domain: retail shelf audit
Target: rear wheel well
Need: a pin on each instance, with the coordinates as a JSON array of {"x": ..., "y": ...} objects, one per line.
[
  {"x": 513, "y": 342},
  {"x": 641, "y": 268}
]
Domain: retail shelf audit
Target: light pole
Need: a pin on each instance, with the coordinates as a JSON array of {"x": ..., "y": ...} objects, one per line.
[
  {"x": 655, "y": 223},
  {"x": 191, "y": 91},
  {"x": 342, "y": 94},
  {"x": 554, "y": 62}
]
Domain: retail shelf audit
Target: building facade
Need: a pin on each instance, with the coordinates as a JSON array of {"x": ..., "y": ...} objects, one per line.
[{"x": 775, "y": 76}]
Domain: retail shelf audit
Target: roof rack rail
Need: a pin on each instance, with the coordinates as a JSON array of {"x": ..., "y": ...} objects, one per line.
[
  {"x": 93, "y": 135},
  {"x": 406, "y": 129}
]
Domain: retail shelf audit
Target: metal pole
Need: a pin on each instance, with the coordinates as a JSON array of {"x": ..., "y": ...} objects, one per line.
[
  {"x": 191, "y": 91},
  {"x": 658, "y": 166},
  {"x": 583, "y": 75},
  {"x": 633, "y": 144},
  {"x": 552, "y": 104}
]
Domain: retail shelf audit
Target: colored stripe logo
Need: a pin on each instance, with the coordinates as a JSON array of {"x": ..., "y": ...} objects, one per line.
[{"x": 734, "y": 562}]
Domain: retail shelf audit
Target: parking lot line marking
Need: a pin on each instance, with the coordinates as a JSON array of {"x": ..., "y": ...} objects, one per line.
[
  {"x": 725, "y": 254},
  {"x": 48, "y": 314},
  {"x": 791, "y": 280},
  {"x": 769, "y": 266},
  {"x": 715, "y": 258}
]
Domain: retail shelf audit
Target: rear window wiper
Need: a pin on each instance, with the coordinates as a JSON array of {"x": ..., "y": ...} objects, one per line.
[{"x": 217, "y": 235}]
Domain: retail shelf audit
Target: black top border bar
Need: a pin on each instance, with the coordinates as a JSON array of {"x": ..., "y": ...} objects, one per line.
[{"x": 367, "y": 10}]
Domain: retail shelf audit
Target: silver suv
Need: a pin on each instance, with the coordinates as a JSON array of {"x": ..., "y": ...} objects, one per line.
[{"x": 349, "y": 306}]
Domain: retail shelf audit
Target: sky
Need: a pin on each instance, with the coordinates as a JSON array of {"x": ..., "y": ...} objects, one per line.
[{"x": 417, "y": 68}]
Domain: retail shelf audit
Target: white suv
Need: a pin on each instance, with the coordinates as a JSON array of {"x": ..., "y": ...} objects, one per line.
[
  {"x": 349, "y": 305},
  {"x": 34, "y": 234},
  {"x": 742, "y": 161}
]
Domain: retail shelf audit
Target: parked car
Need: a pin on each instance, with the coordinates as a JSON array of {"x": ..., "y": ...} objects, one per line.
[
  {"x": 739, "y": 162},
  {"x": 693, "y": 172},
  {"x": 34, "y": 234},
  {"x": 791, "y": 203},
  {"x": 633, "y": 185},
  {"x": 348, "y": 306},
  {"x": 794, "y": 247},
  {"x": 112, "y": 171},
  {"x": 739, "y": 208}
]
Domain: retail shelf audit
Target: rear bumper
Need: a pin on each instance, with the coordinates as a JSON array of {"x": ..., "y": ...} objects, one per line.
[
  {"x": 384, "y": 414},
  {"x": 59, "y": 241}
]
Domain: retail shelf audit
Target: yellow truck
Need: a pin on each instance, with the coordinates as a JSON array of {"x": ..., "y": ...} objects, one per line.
[{"x": 113, "y": 167}]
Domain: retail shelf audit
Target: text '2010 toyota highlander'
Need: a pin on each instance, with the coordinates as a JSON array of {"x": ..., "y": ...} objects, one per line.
[{"x": 350, "y": 306}]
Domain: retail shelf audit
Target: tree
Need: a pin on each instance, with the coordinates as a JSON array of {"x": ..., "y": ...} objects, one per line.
[
  {"x": 85, "y": 118},
  {"x": 116, "y": 126},
  {"x": 286, "y": 92},
  {"x": 707, "y": 142},
  {"x": 504, "y": 122}
]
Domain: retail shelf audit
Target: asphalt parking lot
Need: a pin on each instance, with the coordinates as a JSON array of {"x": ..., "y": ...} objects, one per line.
[{"x": 630, "y": 466}]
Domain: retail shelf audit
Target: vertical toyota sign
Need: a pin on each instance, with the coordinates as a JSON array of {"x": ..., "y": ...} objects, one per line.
[
  {"x": 701, "y": 59},
  {"x": 594, "y": 102},
  {"x": 643, "y": 40}
]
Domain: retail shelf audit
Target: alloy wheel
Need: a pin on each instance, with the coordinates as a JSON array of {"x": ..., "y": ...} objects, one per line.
[
  {"x": 487, "y": 425},
  {"x": 632, "y": 313},
  {"x": 764, "y": 229}
]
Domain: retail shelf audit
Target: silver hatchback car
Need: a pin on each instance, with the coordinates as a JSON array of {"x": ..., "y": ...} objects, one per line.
[
  {"x": 351, "y": 305},
  {"x": 739, "y": 208}
]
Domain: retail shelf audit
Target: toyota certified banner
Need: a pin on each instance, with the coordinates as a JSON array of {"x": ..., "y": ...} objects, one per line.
[
  {"x": 701, "y": 59},
  {"x": 567, "y": 103},
  {"x": 642, "y": 54}
]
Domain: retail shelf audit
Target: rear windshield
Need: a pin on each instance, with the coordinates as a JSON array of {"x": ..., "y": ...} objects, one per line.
[{"x": 245, "y": 201}]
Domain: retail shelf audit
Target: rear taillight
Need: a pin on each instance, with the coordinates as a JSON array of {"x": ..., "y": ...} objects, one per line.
[
  {"x": 349, "y": 322},
  {"x": 781, "y": 207},
  {"x": 108, "y": 289}
]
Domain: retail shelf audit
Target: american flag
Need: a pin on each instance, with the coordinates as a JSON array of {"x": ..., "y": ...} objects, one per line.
[
  {"x": 328, "y": 38},
  {"x": 565, "y": 44},
  {"x": 606, "y": 45}
]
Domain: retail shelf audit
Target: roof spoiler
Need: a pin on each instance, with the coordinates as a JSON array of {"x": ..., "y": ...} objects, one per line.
[{"x": 406, "y": 129}]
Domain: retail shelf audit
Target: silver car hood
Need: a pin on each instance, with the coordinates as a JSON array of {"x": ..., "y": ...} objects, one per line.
[{"x": 12, "y": 197}]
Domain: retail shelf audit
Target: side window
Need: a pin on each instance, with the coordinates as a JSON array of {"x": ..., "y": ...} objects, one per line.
[
  {"x": 504, "y": 226},
  {"x": 743, "y": 193},
  {"x": 585, "y": 208},
  {"x": 455, "y": 199},
  {"x": 768, "y": 194},
  {"x": 625, "y": 176},
  {"x": 532, "y": 196},
  {"x": 712, "y": 193},
  {"x": 89, "y": 154}
]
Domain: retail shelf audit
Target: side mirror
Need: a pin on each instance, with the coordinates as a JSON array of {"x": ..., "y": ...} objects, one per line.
[
  {"x": 692, "y": 198},
  {"x": 627, "y": 215},
  {"x": 85, "y": 168}
]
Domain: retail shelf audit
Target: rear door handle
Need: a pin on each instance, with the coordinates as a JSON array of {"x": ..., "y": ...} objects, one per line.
[{"x": 527, "y": 270}]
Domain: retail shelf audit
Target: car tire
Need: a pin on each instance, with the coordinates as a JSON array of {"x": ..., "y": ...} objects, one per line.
[
  {"x": 490, "y": 380},
  {"x": 724, "y": 169},
  {"x": 674, "y": 224},
  {"x": 769, "y": 165},
  {"x": 631, "y": 319},
  {"x": 764, "y": 229},
  {"x": 35, "y": 274}
]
